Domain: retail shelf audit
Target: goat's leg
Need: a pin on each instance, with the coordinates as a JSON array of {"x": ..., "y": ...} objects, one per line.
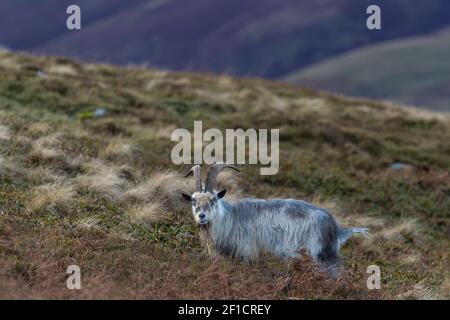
[{"x": 330, "y": 261}]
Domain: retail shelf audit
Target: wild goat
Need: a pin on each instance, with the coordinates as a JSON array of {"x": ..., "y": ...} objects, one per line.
[{"x": 247, "y": 228}]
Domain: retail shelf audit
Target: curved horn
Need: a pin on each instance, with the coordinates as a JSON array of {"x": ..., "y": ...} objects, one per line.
[
  {"x": 213, "y": 172},
  {"x": 197, "y": 177}
]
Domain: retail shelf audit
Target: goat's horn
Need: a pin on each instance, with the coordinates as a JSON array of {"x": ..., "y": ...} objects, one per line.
[
  {"x": 213, "y": 172},
  {"x": 197, "y": 177}
]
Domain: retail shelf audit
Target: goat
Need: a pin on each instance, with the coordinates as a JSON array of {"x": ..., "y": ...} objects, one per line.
[{"x": 247, "y": 228}]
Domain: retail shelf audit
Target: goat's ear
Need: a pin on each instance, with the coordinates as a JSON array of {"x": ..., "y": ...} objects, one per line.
[
  {"x": 187, "y": 197},
  {"x": 221, "y": 194}
]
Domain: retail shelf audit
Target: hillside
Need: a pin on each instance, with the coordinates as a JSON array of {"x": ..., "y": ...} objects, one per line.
[
  {"x": 251, "y": 38},
  {"x": 101, "y": 191},
  {"x": 413, "y": 71}
]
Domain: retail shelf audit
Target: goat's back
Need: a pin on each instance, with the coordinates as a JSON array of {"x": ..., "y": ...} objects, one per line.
[{"x": 279, "y": 226}]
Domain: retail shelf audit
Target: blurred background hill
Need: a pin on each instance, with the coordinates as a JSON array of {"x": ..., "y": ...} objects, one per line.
[
  {"x": 414, "y": 71},
  {"x": 320, "y": 43}
]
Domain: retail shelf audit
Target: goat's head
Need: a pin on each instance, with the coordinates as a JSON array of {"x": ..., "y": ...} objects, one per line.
[{"x": 204, "y": 201}]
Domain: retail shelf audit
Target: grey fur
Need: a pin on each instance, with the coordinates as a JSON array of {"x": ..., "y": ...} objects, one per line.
[{"x": 248, "y": 228}]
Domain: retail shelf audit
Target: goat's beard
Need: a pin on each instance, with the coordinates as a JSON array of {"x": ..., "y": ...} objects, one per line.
[
  {"x": 206, "y": 240},
  {"x": 204, "y": 227}
]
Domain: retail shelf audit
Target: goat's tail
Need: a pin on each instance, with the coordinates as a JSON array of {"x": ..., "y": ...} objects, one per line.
[{"x": 344, "y": 234}]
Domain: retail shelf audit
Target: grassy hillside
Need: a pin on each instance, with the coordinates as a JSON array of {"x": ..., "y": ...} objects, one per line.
[
  {"x": 253, "y": 37},
  {"x": 413, "y": 71},
  {"x": 102, "y": 193}
]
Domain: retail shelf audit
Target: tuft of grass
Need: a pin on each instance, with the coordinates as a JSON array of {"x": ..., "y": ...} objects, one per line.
[
  {"x": 147, "y": 214},
  {"x": 119, "y": 149},
  {"x": 4, "y": 133},
  {"x": 54, "y": 198},
  {"x": 164, "y": 187},
  {"x": 108, "y": 181},
  {"x": 40, "y": 154},
  {"x": 407, "y": 228},
  {"x": 39, "y": 129},
  {"x": 47, "y": 149},
  {"x": 11, "y": 172}
]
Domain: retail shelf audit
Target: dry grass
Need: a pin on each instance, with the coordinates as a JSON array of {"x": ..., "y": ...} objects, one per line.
[
  {"x": 408, "y": 228},
  {"x": 88, "y": 224},
  {"x": 4, "y": 132},
  {"x": 40, "y": 175},
  {"x": 107, "y": 181},
  {"x": 420, "y": 291},
  {"x": 119, "y": 149},
  {"x": 309, "y": 282},
  {"x": 164, "y": 187},
  {"x": 44, "y": 154},
  {"x": 47, "y": 149},
  {"x": 65, "y": 70},
  {"x": 10, "y": 170},
  {"x": 38, "y": 129},
  {"x": 147, "y": 214},
  {"x": 374, "y": 224},
  {"x": 445, "y": 287},
  {"x": 56, "y": 198}
]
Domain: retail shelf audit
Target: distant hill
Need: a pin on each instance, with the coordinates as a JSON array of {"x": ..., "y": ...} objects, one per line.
[
  {"x": 413, "y": 71},
  {"x": 253, "y": 37}
]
